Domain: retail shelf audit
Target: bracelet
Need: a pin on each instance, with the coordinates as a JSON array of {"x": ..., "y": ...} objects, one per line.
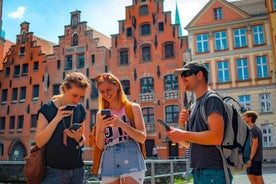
[{"x": 80, "y": 139}]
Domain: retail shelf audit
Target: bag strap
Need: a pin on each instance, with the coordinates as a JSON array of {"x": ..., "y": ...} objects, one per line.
[{"x": 209, "y": 94}]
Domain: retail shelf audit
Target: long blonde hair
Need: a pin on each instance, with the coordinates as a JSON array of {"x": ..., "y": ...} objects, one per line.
[
  {"x": 76, "y": 78},
  {"x": 112, "y": 79}
]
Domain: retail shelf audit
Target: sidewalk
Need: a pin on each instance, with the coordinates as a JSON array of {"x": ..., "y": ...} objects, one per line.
[{"x": 243, "y": 179}]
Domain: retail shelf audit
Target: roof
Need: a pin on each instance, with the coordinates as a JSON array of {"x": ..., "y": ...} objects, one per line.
[
  {"x": 252, "y": 7},
  {"x": 103, "y": 39},
  {"x": 46, "y": 46}
]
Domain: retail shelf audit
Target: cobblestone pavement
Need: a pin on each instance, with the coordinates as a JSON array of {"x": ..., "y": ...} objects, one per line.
[
  {"x": 243, "y": 179},
  {"x": 269, "y": 175}
]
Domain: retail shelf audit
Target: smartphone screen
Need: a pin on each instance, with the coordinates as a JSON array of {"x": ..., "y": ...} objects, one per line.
[
  {"x": 106, "y": 112},
  {"x": 167, "y": 127},
  {"x": 69, "y": 107}
]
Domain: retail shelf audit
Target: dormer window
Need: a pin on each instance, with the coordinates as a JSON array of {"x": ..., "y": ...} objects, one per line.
[{"x": 217, "y": 13}]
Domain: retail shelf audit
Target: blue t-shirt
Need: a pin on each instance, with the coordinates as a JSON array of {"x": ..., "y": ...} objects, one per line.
[
  {"x": 58, "y": 155},
  {"x": 205, "y": 156}
]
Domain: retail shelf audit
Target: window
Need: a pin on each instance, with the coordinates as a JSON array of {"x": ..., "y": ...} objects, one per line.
[
  {"x": 161, "y": 26},
  {"x": 268, "y": 135},
  {"x": 244, "y": 101},
  {"x": 274, "y": 5},
  {"x": 25, "y": 69},
  {"x": 258, "y": 35},
  {"x": 35, "y": 92},
  {"x": 4, "y": 96},
  {"x": 208, "y": 69},
  {"x": 22, "y": 51},
  {"x": 146, "y": 53},
  {"x": 12, "y": 123},
  {"x": 265, "y": 103},
  {"x": 14, "y": 95},
  {"x": 80, "y": 61},
  {"x": 22, "y": 94},
  {"x": 169, "y": 50},
  {"x": 148, "y": 114},
  {"x": 36, "y": 66},
  {"x": 240, "y": 38},
  {"x": 220, "y": 40},
  {"x": 68, "y": 64},
  {"x": 223, "y": 71},
  {"x": 262, "y": 68},
  {"x": 147, "y": 85},
  {"x": 94, "y": 90},
  {"x": 33, "y": 121},
  {"x": 20, "y": 122},
  {"x": 75, "y": 39},
  {"x": 7, "y": 71},
  {"x": 126, "y": 86},
  {"x": 242, "y": 69},
  {"x": 202, "y": 43},
  {"x": 2, "y": 123},
  {"x": 172, "y": 112},
  {"x": 1, "y": 149},
  {"x": 143, "y": 10},
  {"x": 129, "y": 32},
  {"x": 16, "y": 71},
  {"x": 58, "y": 64},
  {"x": 56, "y": 89},
  {"x": 217, "y": 13},
  {"x": 145, "y": 29},
  {"x": 93, "y": 59},
  {"x": 123, "y": 57},
  {"x": 171, "y": 82}
]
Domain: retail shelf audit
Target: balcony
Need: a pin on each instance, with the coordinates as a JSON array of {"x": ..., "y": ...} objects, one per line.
[
  {"x": 169, "y": 95},
  {"x": 147, "y": 97}
]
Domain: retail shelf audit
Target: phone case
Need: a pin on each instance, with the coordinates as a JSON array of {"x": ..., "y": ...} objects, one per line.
[{"x": 167, "y": 127}]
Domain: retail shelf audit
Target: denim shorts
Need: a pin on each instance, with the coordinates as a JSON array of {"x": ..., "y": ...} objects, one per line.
[
  {"x": 255, "y": 169},
  {"x": 122, "y": 158},
  {"x": 206, "y": 176},
  {"x": 60, "y": 176}
]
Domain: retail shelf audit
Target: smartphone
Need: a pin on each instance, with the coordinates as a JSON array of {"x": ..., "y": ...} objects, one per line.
[
  {"x": 106, "y": 112},
  {"x": 167, "y": 127},
  {"x": 69, "y": 107},
  {"x": 75, "y": 126}
]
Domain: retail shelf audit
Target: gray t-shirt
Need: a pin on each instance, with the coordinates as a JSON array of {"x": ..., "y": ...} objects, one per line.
[
  {"x": 256, "y": 132},
  {"x": 203, "y": 156}
]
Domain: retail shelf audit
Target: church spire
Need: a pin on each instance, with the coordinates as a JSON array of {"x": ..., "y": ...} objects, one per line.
[{"x": 177, "y": 20}]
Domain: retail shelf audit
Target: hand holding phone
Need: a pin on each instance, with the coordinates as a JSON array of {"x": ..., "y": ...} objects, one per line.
[
  {"x": 69, "y": 107},
  {"x": 167, "y": 127},
  {"x": 106, "y": 112}
]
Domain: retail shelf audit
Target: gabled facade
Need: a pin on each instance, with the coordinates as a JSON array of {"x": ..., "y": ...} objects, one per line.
[
  {"x": 22, "y": 92},
  {"x": 233, "y": 39},
  {"x": 271, "y": 9},
  {"x": 145, "y": 53},
  {"x": 81, "y": 49}
]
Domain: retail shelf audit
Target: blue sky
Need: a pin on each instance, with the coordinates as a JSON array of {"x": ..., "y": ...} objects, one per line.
[{"x": 47, "y": 18}]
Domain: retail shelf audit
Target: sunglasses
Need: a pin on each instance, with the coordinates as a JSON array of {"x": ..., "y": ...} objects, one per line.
[
  {"x": 104, "y": 77},
  {"x": 188, "y": 73}
]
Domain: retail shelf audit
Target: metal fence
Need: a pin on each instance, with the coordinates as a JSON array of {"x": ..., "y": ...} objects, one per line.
[{"x": 158, "y": 171}]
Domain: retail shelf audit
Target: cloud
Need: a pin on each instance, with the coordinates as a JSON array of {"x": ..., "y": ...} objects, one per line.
[{"x": 18, "y": 14}]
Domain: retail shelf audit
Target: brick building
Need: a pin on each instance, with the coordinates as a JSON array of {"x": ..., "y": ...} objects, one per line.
[{"x": 234, "y": 40}]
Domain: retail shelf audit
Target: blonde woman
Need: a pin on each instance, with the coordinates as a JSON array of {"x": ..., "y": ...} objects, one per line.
[
  {"x": 122, "y": 160},
  {"x": 60, "y": 130}
]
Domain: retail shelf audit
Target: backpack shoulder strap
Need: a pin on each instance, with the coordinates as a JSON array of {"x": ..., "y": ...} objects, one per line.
[
  {"x": 209, "y": 94},
  {"x": 129, "y": 112}
]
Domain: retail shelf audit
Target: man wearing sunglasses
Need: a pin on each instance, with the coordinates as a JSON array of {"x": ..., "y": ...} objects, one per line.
[{"x": 206, "y": 160}]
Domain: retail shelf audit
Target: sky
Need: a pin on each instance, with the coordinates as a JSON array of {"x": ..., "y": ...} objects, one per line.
[{"x": 47, "y": 18}]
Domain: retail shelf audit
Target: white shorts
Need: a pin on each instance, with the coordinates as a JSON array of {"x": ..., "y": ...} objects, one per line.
[{"x": 137, "y": 176}]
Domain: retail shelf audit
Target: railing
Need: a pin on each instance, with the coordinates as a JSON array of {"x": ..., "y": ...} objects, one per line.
[{"x": 157, "y": 170}]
